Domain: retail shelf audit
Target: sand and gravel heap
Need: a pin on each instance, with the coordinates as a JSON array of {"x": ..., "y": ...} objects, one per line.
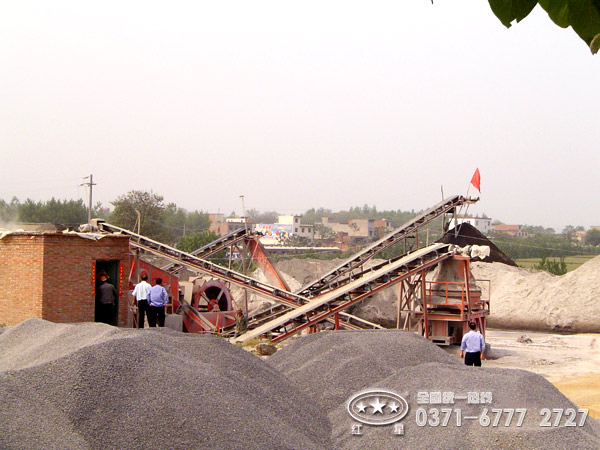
[
  {"x": 333, "y": 366},
  {"x": 530, "y": 299},
  {"x": 93, "y": 386}
]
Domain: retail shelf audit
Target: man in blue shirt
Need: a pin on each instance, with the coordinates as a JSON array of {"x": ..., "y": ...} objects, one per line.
[
  {"x": 474, "y": 345},
  {"x": 157, "y": 299}
]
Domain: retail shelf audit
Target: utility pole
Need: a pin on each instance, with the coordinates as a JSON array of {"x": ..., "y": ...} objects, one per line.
[{"x": 90, "y": 184}]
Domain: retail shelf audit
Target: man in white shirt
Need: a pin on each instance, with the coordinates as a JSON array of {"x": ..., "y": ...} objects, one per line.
[
  {"x": 140, "y": 296},
  {"x": 474, "y": 345}
]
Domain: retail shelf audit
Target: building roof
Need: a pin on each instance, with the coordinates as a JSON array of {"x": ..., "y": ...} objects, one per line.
[{"x": 504, "y": 227}]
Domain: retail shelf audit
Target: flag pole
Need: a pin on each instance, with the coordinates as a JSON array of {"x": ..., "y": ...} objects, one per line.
[{"x": 468, "y": 203}]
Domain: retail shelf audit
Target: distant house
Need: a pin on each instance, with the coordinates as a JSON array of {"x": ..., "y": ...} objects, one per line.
[
  {"x": 302, "y": 230},
  {"x": 222, "y": 226},
  {"x": 285, "y": 228},
  {"x": 382, "y": 227},
  {"x": 483, "y": 224},
  {"x": 510, "y": 230},
  {"x": 353, "y": 233}
]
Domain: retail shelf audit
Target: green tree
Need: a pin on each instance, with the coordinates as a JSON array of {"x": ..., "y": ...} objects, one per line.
[
  {"x": 192, "y": 242},
  {"x": 100, "y": 212},
  {"x": 174, "y": 222},
  {"x": 569, "y": 232},
  {"x": 68, "y": 212},
  {"x": 151, "y": 209},
  {"x": 592, "y": 237},
  {"x": 552, "y": 266},
  {"x": 180, "y": 222},
  {"x": 324, "y": 232},
  {"x": 197, "y": 221},
  {"x": 262, "y": 217},
  {"x": 9, "y": 212},
  {"x": 582, "y": 15},
  {"x": 30, "y": 211}
]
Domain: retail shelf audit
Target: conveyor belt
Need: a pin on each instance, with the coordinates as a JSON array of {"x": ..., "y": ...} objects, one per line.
[
  {"x": 213, "y": 247},
  {"x": 388, "y": 274},
  {"x": 281, "y": 296},
  {"x": 342, "y": 273}
]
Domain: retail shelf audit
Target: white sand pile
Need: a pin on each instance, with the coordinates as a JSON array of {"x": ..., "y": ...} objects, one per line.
[
  {"x": 307, "y": 270},
  {"x": 333, "y": 366},
  {"x": 521, "y": 298},
  {"x": 529, "y": 299},
  {"x": 92, "y": 386}
]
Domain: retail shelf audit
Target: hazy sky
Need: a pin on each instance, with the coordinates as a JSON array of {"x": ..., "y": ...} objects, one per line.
[{"x": 300, "y": 104}]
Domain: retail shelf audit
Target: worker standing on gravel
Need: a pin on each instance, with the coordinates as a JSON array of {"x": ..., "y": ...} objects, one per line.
[
  {"x": 474, "y": 345},
  {"x": 157, "y": 299},
  {"x": 140, "y": 296}
]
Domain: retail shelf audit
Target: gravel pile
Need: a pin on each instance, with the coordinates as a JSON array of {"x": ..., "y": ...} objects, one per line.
[
  {"x": 92, "y": 386},
  {"x": 333, "y": 366}
]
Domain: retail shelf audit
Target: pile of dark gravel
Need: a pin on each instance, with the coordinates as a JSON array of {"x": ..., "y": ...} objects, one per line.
[
  {"x": 333, "y": 366},
  {"x": 92, "y": 386}
]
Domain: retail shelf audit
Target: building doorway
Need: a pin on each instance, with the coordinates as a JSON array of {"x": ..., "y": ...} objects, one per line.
[{"x": 109, "y": 268}]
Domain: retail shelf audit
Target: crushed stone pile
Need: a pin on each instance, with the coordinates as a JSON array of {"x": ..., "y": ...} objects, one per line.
[
  {"x": 93, "y": 386},
  {"x": 530, "y": 299},
  {"x": 331, "y": 367}
]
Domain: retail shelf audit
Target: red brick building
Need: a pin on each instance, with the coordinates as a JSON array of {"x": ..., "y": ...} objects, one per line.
[{"x": 52, "y": 276}]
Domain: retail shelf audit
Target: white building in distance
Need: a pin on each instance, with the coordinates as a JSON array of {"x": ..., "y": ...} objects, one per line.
[{"x": 483, "y": 224}]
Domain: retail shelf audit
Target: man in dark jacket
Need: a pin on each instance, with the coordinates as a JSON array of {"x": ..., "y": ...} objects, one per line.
[{"x": 107, "y": 300}]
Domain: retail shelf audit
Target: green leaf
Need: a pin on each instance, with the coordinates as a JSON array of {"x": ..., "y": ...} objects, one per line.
[
  {"x": 595, "y": 44},
  {"x": 558, "y": 10},
  {"x": 582, "y": 15},
  {"x": 585, "y": 20},
  {"x": 509, "y": 10}
]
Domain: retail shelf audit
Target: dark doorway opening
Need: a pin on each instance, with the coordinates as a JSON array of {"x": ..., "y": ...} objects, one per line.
[{"x": 109, "y": 268}]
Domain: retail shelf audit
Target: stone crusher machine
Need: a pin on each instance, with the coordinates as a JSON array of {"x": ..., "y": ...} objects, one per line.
[{"x": 440, "y": 305}]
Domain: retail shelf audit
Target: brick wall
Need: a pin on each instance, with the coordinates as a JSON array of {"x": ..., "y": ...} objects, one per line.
[
  {"x": 51, "y": 276},
  {"x": 21, "y": 277}
]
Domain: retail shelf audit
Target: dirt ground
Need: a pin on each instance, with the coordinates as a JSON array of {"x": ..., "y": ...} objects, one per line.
[{"x": 570, "y": 362}]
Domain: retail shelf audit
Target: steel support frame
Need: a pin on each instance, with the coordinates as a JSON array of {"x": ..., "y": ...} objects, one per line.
[{"x": 466, "y": 310}]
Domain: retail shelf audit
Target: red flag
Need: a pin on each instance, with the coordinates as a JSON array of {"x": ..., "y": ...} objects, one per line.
[{"x": 476, "y": 180}]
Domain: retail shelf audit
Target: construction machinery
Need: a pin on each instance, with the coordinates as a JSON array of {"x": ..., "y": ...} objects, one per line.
[{"x": 439, "y": 308}]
